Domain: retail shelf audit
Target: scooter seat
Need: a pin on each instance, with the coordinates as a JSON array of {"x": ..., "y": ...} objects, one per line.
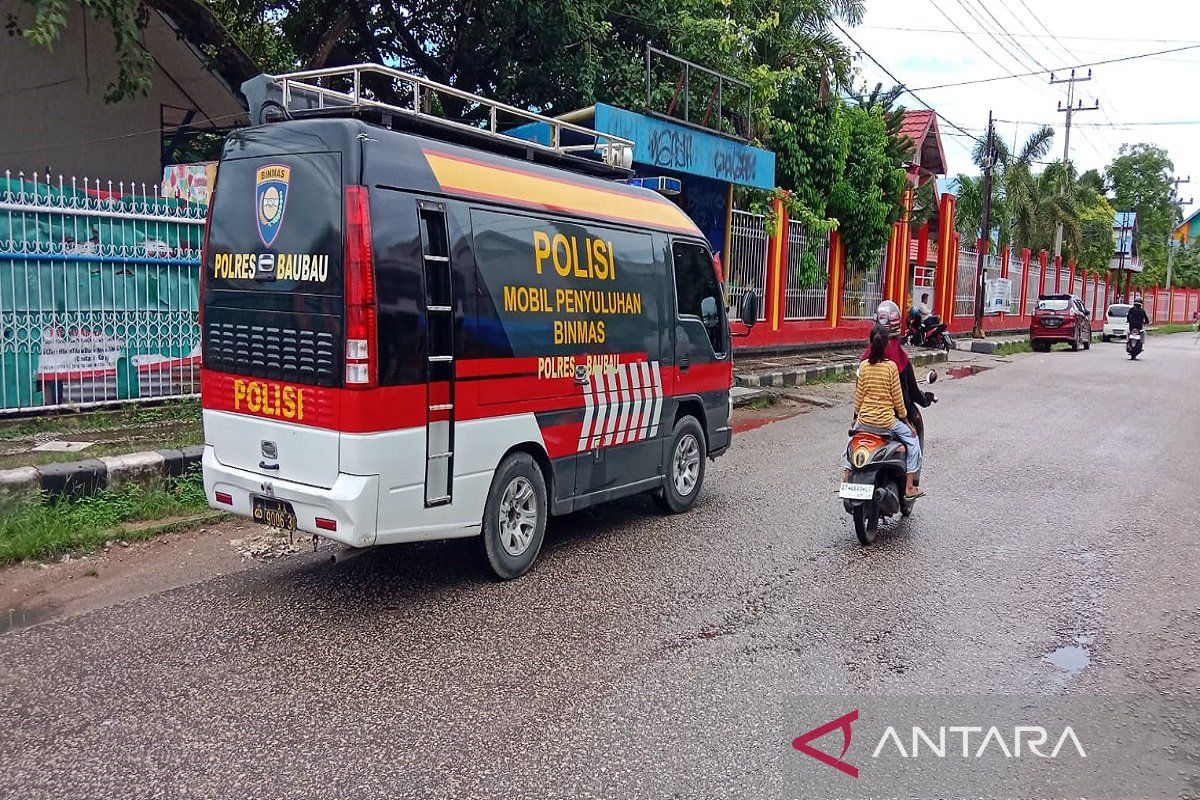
[{"x": 886, "y": 433}]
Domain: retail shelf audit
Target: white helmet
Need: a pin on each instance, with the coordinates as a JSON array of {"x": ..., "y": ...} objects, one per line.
[{"x": 888, "y": 314}]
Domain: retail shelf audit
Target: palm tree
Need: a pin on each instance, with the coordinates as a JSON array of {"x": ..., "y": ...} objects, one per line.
[
  {"x": 1018, "y": 182},
  {"x": 1013, "y": 187}
]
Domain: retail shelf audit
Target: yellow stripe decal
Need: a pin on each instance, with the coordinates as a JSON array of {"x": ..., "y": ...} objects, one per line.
[{"x": 527, "y": 189}]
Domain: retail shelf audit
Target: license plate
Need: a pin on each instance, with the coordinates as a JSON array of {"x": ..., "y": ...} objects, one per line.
[
  {"x": 1052, "y": 323},
  {"x": 857, "y": 491},
  {"x": 276, "y": 513}
]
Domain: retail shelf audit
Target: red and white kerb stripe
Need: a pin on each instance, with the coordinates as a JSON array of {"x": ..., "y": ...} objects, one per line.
[{"x": 621, "y": 405}]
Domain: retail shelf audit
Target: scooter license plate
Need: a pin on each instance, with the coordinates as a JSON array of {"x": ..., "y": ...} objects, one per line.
[{"x": 856, "y": 491}]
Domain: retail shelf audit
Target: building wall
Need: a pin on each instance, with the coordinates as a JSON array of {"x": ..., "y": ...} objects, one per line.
[{"x": 56, "y": 119}]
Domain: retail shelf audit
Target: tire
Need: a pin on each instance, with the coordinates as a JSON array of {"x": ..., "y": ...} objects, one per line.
[
  {"x": 1104, "y": 337},
  {"x": 1040, "y": 347},
  {"x": 685, "y": 467},
  {"x": 514, "y": 517},
  {"x": 866, "y": 524},
  {"x": 1087, "y": 343}
]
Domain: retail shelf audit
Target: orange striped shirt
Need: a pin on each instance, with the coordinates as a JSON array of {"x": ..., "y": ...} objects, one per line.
[{"x": 878, "y": 399}]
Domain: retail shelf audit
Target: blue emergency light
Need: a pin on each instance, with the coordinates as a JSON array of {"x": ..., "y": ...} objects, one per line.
[{"x": 661, "y": 184}]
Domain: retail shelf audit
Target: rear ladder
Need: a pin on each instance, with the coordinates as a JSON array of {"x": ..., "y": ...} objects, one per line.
[{"x": 440, "y": 365}]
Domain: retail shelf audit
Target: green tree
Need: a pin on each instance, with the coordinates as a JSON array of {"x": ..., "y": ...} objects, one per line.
[
  {"x": 811, "y": 142},
  {"x": 1096, "y": 221},
  {"x": 863, "y": 200},
  {"x": 1140, "y": 180},
  {"x": 1013, "y": 188}
]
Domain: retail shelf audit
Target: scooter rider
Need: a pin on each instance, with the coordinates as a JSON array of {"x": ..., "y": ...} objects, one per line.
[
  {"x": 1138, "y": 318},
  {"x": 888, "y": 313}
]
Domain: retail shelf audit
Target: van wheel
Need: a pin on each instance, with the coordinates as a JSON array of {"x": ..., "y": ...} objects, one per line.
[
  {"x": 685, "y": 467},
  {"x": 514, "y": 518}
]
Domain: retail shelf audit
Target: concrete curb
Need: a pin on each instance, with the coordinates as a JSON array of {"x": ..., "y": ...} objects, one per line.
[
  {"x": 798, "y": 376},
  {"x": 80, "y": 478}
]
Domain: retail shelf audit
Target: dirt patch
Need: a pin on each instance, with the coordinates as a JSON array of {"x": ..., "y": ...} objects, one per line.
[
  {"x": 122, "y": 571},
  {"x": 787, "y": 403}
]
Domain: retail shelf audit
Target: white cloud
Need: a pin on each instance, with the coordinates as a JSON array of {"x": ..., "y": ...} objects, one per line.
[{"x": 1149, "y": 89}]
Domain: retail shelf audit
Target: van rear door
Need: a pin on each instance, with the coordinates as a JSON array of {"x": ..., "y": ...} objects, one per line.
[{"x": 273, "y": 316}]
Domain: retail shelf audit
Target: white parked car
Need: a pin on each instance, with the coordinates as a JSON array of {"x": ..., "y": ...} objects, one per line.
[{"x": 1115, "y": 324}]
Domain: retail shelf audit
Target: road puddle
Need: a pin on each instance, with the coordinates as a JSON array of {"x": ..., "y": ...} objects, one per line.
[
  {"x": 14, "y": 619},
  {"x": 1072, "y": 659},
  {"x": 965, "y": 370}
]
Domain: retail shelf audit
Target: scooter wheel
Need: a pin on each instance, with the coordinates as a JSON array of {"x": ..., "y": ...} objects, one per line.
[{"x": 866, "y": 524}]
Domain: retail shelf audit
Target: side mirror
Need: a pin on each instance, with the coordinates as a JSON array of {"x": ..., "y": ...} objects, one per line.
[
  {"x": 708, "y": 312},
  {"x": 749, "y": 310}
]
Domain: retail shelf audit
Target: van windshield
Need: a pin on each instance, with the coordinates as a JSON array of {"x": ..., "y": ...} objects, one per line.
[{"x": 1118, "y": 312}]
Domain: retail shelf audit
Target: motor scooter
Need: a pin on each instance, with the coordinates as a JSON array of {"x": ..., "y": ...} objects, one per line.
[
  {"x": 875, "y": 490},
  {"x": 1134, "y": 343},
  {"x": 931, "y": 333}
]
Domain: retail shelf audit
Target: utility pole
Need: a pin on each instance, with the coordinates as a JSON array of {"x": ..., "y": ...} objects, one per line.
[
  {"x": 1072, "y": 107},
  {"x": 1175, "y": 184},
  {"x": 985, "y": 235}
]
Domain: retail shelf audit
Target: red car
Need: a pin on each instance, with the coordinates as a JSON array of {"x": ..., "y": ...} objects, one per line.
[{"x": 1060, "y": 318}]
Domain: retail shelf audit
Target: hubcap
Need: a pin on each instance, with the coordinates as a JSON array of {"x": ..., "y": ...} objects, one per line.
[
  {"x": 518, "y": 516},
  {"x": 685, "y": 467}
]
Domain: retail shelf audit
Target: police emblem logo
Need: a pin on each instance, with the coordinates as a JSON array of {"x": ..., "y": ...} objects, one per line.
[{"x": 270, "y": 193}]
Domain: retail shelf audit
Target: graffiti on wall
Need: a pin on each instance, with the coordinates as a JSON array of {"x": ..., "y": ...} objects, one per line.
[{"x": 667, "y": 145}]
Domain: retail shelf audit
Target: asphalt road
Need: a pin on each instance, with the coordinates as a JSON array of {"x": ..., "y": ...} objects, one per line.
[{"x": 650, "y": 656}]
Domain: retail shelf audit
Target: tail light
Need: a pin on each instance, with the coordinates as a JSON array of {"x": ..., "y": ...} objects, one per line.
[
  {"x": 361, "y": 324},
  {"x": 862, "y": 445}
]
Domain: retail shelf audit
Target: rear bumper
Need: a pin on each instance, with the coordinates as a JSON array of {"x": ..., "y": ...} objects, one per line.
[
  {"x": 1117, "y": 331},
  {"x": 352, "y": 502},
  {"x": 1063, "y": 334}
]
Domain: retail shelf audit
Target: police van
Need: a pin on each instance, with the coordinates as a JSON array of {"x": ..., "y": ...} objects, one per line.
[{"x": 415, "y": 329}]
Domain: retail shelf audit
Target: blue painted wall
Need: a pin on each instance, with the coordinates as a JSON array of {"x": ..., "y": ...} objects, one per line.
[{"x": 679, "y": 148}]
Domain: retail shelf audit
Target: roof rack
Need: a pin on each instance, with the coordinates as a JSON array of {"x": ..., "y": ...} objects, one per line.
[{"x": 312, "y": 92}]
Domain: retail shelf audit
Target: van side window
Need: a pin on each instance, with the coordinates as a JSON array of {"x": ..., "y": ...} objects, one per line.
[{"x": 697, "y": 291}]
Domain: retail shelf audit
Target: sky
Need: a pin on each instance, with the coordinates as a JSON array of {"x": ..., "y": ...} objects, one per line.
[{"x": 1019, "y": 37}]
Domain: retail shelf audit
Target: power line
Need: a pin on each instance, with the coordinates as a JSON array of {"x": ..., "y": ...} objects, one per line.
[
  {"x": 1010, "y": 76},
  {"x": 900, "y": 83},
  {"x": 1007, "y": 33},
  {"x": 1073, "y": 55},
  {"x": 1070, "y": 110},
  {"x": 974, "y": 43},
  {"x": 1038, "y": 20},
  {"x": 1118, "y": 125},
  {"x": 1021, "y": 62},
  {"x": 947, "y": 31}
]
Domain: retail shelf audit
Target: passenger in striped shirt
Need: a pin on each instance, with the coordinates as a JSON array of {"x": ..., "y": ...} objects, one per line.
[{"x": 878, "y": 401}]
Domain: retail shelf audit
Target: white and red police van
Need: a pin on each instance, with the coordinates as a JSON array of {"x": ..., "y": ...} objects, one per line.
[{"x": 408, "y": 338}]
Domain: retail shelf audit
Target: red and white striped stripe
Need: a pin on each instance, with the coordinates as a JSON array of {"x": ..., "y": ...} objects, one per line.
[{"x": 622, "y": 405}]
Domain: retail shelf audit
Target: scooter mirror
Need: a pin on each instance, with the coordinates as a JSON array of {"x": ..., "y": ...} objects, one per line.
[{"x": 932, "y": 377}]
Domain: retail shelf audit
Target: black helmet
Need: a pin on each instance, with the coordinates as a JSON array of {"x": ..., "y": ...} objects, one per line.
[{"x": 1137, "y": 301}]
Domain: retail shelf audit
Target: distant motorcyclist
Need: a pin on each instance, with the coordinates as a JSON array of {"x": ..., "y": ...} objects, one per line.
[
  {"x": 1138, "y": 319},
  {"x": 888, "y": 314}
]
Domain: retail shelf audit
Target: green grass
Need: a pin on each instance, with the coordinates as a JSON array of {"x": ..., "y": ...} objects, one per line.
[
  {"x": 114, "y": 431},
  {"x": 1009, "y": 348},
  {"x": 761, "y": 402},
  {"x": 1174, "y": 327},
  {"x": 64, "y": 421},
  {"x": 36, "y": 528},
  {"x": 839, "y": 376}
]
